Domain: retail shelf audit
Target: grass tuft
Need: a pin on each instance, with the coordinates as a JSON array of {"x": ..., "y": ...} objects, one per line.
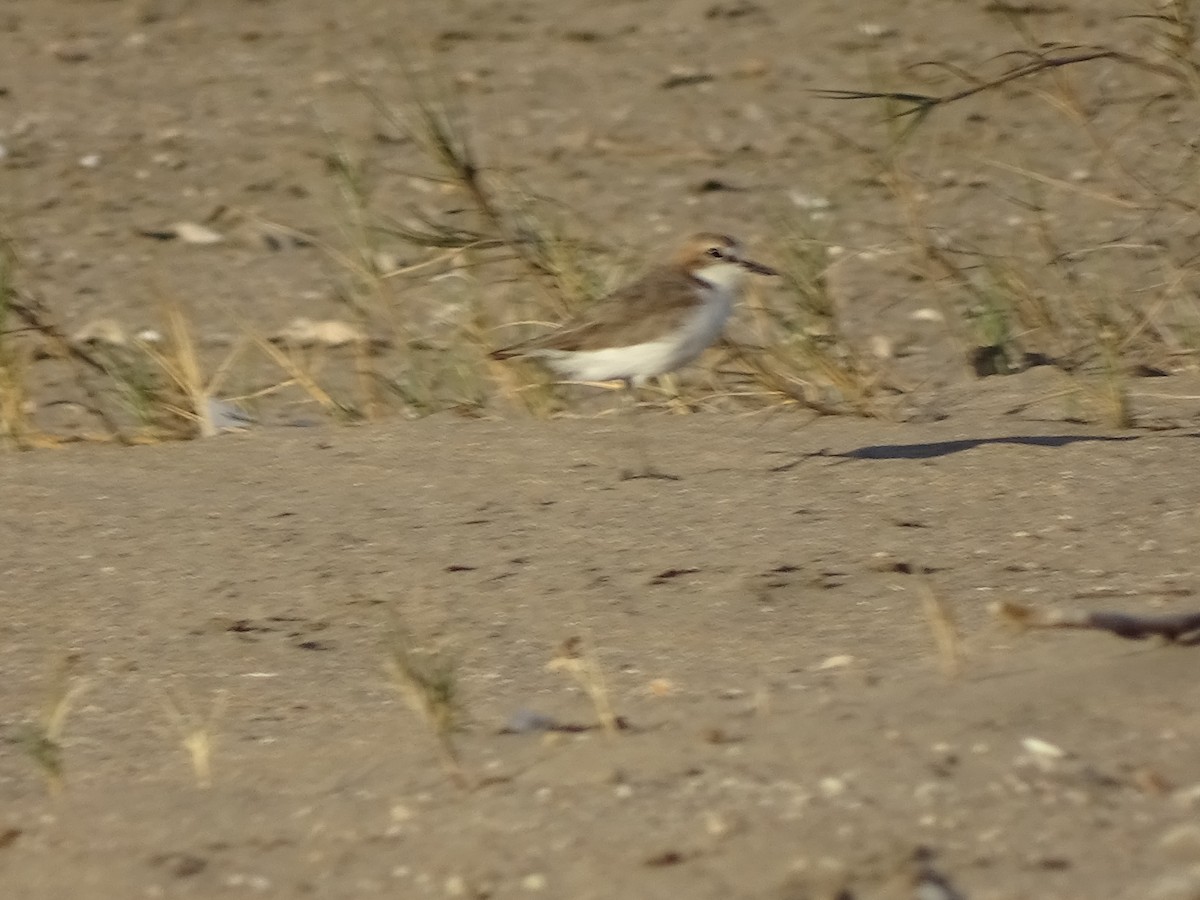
[
  {"x": 197, "y": 733},
  {"x": 475, "y": 249},
  {"x": 1039, "y": 300},
  {"x": 579, "y": 662},
  {"x": 428, "y": 682},
  {"x": 42, "y": 738}
]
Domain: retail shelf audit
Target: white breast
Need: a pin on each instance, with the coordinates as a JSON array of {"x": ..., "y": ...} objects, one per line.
[{"x": 638, "y": 362}]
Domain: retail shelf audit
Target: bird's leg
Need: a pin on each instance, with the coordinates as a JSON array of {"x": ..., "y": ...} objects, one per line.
[{"x": 645, "y": 469}]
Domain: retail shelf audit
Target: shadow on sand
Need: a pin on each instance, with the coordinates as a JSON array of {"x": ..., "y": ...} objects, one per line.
[{"x": 945, "y": 448}]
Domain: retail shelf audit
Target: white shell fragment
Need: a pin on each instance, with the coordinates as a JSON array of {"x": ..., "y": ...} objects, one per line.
[
  {"x": 303, "y": 332},
  {"x": 191, "y": 233},
  {"x": 840, "y": 661},
  {"x": 227, "y": 417},
  {"x": 103, "y": 332},
  {"x": 187, "y": 232},
  {"x": 1045, "y": 749}
]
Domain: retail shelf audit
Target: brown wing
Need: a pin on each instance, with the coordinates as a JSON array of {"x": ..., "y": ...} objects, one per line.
[{"x": 639, "y": 311}]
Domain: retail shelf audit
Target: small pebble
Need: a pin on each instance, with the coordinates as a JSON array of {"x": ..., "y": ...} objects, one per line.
[
  {"x": 524, "y": 721},
  {"x": 1182, "y": 841},
  {"x": 534, "y": 882},
  {"x": 840, "y": 661}
]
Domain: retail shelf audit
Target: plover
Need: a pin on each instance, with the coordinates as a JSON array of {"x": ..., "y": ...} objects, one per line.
[{"x": 654, "y": 325}]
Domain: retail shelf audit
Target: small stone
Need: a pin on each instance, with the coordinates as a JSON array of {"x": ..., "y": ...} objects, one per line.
[
  {"x": 734, "y": 9},
  {"x": 751, "y": 68},
  {"x": 71, "y": 51},
  {"x": 877, "y": 30},
  {"x": 840, "y": 661},
  {"x": 661, "y": 687},
  {"x": 832, "y": 787},
  {"x": 191, "y": 233},
  {"x": 386, "y": 262},
  {"x": 524, "y": 721},
  {"x": 1183, "y": 885},
  {"x": 681, "y": 77},
  {"x": 400, "y": 813},
  {"x": 717, "y": 825},
  {"x": 302, "y": 332},
  {"x": 1043, "y": 749},
  {"x": 1182, "y": 841},
  {"x": 188, "y": 232},
  {"x": 809, "y": 201},
  {"x": 227, "y": 417},
  {"x": 102, "y": 332},
  {"x": 535, "y": 881},
  {"x": 884, "y": 561},
  {"x": 882, "y": 346},
  {"x": 325, "y": 78}
]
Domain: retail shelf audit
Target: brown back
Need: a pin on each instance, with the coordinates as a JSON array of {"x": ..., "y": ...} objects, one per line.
[{"x": 641, "y": 311}]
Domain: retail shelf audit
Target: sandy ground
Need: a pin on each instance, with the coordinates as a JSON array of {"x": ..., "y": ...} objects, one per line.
[
  {"x": 788, "y": 719},
  {"x": 759, "y": 623}
]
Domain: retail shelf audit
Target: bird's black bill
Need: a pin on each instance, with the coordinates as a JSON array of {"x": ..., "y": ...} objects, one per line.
[{"x": 758, "y": 268}]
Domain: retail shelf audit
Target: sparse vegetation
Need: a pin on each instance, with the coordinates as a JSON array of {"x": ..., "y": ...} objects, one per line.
[
  {"x": 578, "y": 661},
  {"x": 15, "y": 424},
  {"x": 428, "y": 683},
  {"x": 42, "y": 737},
  {"x": 1049, "y": 299},
  {"x": 761, "y": 623},
  {"x": 1037, "y": 302},
  {"x": 942, "y": 626},
  {"x": 197, "y": 733}
]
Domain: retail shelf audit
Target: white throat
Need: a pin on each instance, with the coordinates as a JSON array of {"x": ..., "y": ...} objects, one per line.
[{"x": 726, "y": 277}]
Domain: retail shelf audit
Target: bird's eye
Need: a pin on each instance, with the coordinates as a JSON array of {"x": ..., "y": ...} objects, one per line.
[{"x": 715, "y": 252}]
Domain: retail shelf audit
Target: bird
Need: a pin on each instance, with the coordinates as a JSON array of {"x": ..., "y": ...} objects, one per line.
[{"x": 654, "y": 325}]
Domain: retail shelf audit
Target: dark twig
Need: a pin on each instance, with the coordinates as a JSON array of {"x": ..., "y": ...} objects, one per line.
[
  {"x": 922, "y": 104},
  {"x": 434, "y": 127},
  {"x": 1178, "y": 628},
  {"x": 37, "y": 317}
]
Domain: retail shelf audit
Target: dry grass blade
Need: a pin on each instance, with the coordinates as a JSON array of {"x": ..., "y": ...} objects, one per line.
[
  {"x": 1176, "y": 29},
  {"x": 816, "y": 376},
  {"x": 196, "y": 732},
  {"x": 943, "y": 628},
  {"x": 15, "y": 423},
  {"x": 37, "y": 317},
  {"x": 439, "y": 235},
  {"x": 42, "y": 739},
  {"x": 300, "y": 376},
  {"x": 428, "y": 682},
  {"x": 579, "y": 663},
  {"x": 182, "y": 366},
  {"x": 505, "y": 214},
  {"x": 1061, "y": 184},
  {"x": 920, "y": 105},
  {"x": 440, "y": 133},
  {"x": 436, "y": 128}
]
